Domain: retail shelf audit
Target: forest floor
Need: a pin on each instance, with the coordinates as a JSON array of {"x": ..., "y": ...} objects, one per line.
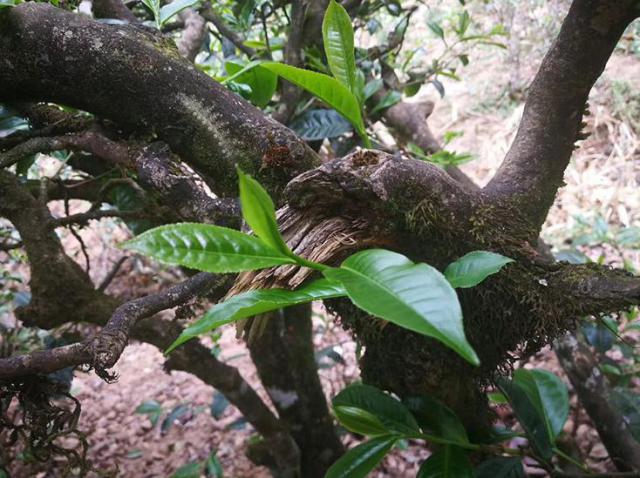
[{"x": 602, "y": 188}]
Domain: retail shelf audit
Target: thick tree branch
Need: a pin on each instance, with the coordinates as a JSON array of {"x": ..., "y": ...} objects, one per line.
[
  {"x": 62, "y": 292},
  {"x": 193, "y": 35},
  {"x": 210, "y": 127},
  {"x": 159, "y": 171},
  {"x": 593, "y": 390},
  {"x": 112, "y": 9},
  {"x": 290, "y": 94},
  {"x": 91, "y": 142},
  {"x": 533, "y": 169}
]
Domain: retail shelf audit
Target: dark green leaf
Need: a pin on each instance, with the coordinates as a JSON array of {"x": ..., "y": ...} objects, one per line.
[
  {"x": 628, "y": 402},
  {"x": 318, "y": 124},
  {"x": 218, "y": 405},
  {"x": 148, "y": 406},
  {"x": 213, "y": 467},
  {"x": 259, "y": 212},
  {"x": 388, "y": 100},
  {"x": 393, "y": 415},
  {"x": 169, "y": 420},
  {"x": 372, "y": 88},
  {"x": 337, "y": 34},
  {"x": 437, "y": 29},
  {"x": 359, "y": 461},
  {"x": 532, "y": 421},
  {"x": 448, "y": 462},
  {"x": 501, "y": 467},
  {"x": 125, "y": 198},
  {"x": 549, "y": 394},
  {"x": 256, "y": 302},
  {"x": 438, "y": 86},
  {"x": 414, "y": 296},
  {"x": 474, "y": 267},
  {"x": 436, "y": 418},
  {"x": 152, "y": 409},
  {"x": 328, "y": 89},
  {"x": 598, "y": 335},
  {"x": 206, "y": 248}
]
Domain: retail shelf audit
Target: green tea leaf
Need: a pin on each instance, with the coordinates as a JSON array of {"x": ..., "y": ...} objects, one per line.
[
  {"x": 359, "y": 421},
  {"x": 337, "y": 34},
  {"x": 256, "y": 302},
  {"x": 263, "y": 83},
  {"x": 501, "y": 467},
  {"x": 436, "y": 418},
  {"x": 414, "y": 296},
  {"x": 448, "y": 462},
  {"x": 359, "y": 461},
  {"x": 206, "y": 248},
  {"x": 548, "y": 394},
  {"x": 532, "y": 421},
  {"x": 628, "y": 402},
  {"x": 328, "y": 89},
  {"x": 259, "y": 212},
  {"x": 388, "y": 100},
  {"x": 317, "y": 124},
  {"x": 474, "y": 267},
  {"x": 391, "y": 413}
]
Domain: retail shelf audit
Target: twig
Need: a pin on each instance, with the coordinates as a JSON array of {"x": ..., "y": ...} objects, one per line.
[
  {"x": 112, "y": 274},
  {"x": 84, "y": 217},
  {"x": 211, "y": 16}
]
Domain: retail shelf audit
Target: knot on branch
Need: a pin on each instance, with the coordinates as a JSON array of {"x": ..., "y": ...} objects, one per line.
[
  {"x": 340, "y": 181},
  {"x": 105, "y": 350}
]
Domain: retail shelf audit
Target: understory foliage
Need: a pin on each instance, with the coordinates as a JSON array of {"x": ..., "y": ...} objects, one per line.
[{"x": 424, "y": 268}]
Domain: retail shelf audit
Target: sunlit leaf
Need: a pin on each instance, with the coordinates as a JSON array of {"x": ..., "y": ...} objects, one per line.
[
  {"x": 414, "y": 296},
  {"x": 337, "y": 34},
  {"x": 256, "y": 302},
  {"x": 474, "y": 267},
  {"x": 259, "y": 212},
  {"x": 207, "y": 248},
  {"x": 328, "y": 89}
]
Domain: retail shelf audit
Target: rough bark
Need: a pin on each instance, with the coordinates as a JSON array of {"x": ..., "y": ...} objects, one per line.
[
  {"x": 534, "y": 167},
  {"x": 68, "y": 58},
  {"x": 295, "y": 389},
  {"x": 593, "y": 390}
]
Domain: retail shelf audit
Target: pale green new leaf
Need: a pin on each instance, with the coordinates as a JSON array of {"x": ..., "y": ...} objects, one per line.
[
  {"x": 414, "y": 296},
  {"x": 260, "y": 213},
  {"x": 256, "y": 302},
  {"x": 207, "y": 248},
  {"x": 474, "y": 267},
  {"x": 359, "y": 461},
  {"x": 337, "y": 34},
  {"x": 328, "y": 89}
]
